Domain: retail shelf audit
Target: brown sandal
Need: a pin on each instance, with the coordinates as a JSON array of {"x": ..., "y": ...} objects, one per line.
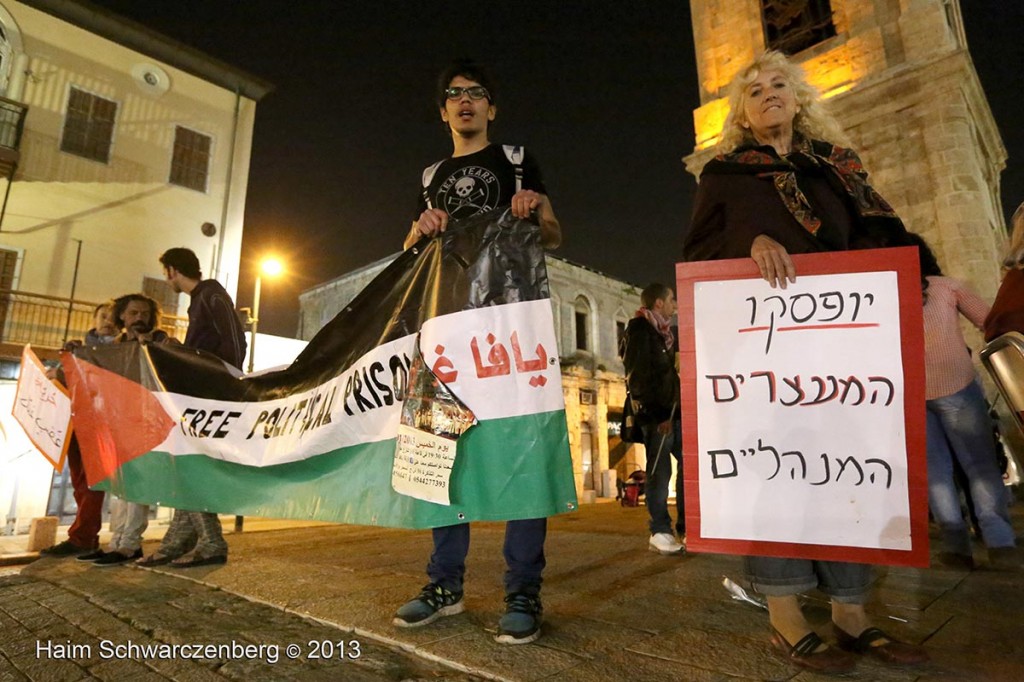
[
  {"x": 804, "y": 654},
  {"x": 890, "y": 653}
]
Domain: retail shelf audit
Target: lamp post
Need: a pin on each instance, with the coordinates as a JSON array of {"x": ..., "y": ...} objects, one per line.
[{"x": 270, "y": 267}]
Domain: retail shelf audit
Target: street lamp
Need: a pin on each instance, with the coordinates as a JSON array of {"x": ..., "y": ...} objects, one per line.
[{"x": 270, "y": 267}]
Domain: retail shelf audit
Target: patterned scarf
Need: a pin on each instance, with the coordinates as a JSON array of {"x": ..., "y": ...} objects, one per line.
[
  {"x": 659, "y": 323},
  {"x": 839, "y": 163}
]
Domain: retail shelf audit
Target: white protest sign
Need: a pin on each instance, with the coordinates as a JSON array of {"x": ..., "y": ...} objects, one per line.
[
  {"x": 798, "y": 436},
  {"x": 43, "y": 409}
]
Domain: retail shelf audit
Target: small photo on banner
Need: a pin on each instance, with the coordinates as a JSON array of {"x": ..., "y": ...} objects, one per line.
[{"x": 428, "y": 433}]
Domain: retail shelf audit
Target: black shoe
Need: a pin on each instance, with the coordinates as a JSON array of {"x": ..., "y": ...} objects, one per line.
[
  {"x": 522, "y": 619},
  {"x": 963, "y": 562},
  {"x": 431, "y": 603},
  {"x": 91, "y": 556},
  {"x": 117, "y": 558},
  {"x": 66, "y": 548}
]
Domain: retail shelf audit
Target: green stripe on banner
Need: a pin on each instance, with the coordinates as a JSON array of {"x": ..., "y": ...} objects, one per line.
[{"x": 498, "y": 475}]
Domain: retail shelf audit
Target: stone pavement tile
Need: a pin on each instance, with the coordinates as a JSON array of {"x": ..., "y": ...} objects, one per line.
[
  {"x": 364, "y": 548},
  {"x": 717, "y": 651},
  {"x": 478, "y": 651},
  {"x": 632, "y": 570},
  {"x": 998, "y": 593},
  {"x": 258, "y": 670},
  {"x": 67, "y": 644},
  {"x": 118, "y": 590},
  {"x": 913, "y": 589},
  {"x": 628, "y": 665},
  {"x": 982, "y": 634},
  {"x": 720, "y": 614},
  {"x": 652, "y": 615},
  {"x": 184, "y": 670},
  {"x": 118, "y": 671},
  {"x": 51, "y": 671},
  {"x": 586, "y": 638},
  {"x": 282, "y": 584},
  {"x": 8, "y": 673},
  {"x": 30, "y": 614}
]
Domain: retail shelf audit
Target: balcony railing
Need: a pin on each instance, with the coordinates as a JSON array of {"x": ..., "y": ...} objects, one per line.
[
  {"x": 49, "y": 321},
  {"x": 12, "y": 123}
]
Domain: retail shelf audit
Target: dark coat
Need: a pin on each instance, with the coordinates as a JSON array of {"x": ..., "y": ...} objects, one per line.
[
  {"x": 1007, "y": 314},
  {"x": 651, "y": 377},
  {"x": 735, "y": 203}
]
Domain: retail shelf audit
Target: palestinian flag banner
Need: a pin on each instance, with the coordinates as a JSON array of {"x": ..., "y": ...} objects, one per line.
[{"x": 168, "y": 425}]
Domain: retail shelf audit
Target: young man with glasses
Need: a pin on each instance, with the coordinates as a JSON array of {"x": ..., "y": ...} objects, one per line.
[{"x": 480, "y": 176}]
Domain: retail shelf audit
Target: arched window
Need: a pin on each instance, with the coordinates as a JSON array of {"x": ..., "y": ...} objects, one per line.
[
  {"x": 794, "y": 25},
  {"x": 582, "y": 324}
]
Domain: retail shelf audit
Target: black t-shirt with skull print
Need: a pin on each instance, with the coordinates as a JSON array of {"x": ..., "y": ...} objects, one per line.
[{"x": 464, "y": 186}]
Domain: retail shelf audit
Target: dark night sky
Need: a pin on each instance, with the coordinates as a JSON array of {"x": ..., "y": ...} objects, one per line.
[{"x": 601, "y": 92}]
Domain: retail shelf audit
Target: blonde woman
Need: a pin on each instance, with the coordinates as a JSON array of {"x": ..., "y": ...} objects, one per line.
[{"x": 782, "y": 184}]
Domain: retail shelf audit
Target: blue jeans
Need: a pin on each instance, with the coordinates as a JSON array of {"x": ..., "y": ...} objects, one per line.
[
  {"x": 843, "y": 581},
  {"x": 524, "y": 555},
  {"x": 662, "y": 450},
  {"x": 959, "y": 426}
]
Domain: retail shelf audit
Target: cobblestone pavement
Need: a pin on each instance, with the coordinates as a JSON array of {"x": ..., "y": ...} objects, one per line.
[
  {"x": 123, "y": 624},
  {"x": 613, "y": 611}
]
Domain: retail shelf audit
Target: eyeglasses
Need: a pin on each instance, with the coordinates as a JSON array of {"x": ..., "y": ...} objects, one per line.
[{"x": 475, "y": 92}]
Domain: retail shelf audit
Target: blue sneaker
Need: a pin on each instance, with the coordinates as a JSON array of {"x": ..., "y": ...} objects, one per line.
[
  {"x": 432, "y": 603},
  {"x": 522, "y": 619}
]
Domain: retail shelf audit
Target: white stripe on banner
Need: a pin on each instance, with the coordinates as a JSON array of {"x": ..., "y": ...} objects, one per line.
[{"x": 502, "y": 361}]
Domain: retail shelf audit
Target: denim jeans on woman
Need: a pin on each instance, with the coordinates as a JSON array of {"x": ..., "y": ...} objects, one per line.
[{"x": 959, "y": 426}]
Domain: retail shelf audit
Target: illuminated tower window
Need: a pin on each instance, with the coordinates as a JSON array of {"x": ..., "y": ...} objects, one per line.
[{"x": 794, "y": 25}]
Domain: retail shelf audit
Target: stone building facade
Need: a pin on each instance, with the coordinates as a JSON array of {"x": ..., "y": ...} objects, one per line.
[
  {"x": 590, "y": 311},
  {"x": 899, "y": 77},
  {"x": 116, "y": 143}
]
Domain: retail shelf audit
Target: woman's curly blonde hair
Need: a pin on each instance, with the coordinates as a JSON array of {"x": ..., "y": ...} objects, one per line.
[
  {"x": 1015, "y": 253},
  {"x": 813, "y": 121}
]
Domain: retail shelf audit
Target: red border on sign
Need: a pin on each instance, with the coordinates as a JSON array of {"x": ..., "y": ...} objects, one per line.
[{"x": 904, "y": 261}]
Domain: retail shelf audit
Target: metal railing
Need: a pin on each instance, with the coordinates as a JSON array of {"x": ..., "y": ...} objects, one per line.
[
  {"x": 12, "y": 123},
  {"x": 49, "y": 321}
]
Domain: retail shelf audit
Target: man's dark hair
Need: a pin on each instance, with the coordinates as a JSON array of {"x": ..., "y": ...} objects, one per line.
[
  {"x": 653, "y": 292},
  {"x": 183, "y": 260},
  {"x": 121, "y": 304},
  {"x": 469, "y": 70}
]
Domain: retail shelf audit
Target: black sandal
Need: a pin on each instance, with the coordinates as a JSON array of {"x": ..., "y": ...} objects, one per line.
[
  {"x": 892, "y": 652},
  {"x": 804, "y": 654}
]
